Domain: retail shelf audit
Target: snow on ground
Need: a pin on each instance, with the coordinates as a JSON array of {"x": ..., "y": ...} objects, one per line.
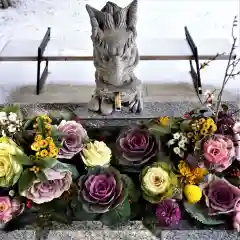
[{"x": 157, "y": 18}]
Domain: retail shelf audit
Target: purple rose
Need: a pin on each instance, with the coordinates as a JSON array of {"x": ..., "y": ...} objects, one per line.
[
  {"x": 225, "y": 123},
  {"x": 45, "y": 191},
  {"x": 135, "y": 147},
  {"x": 72, "y": 143},
  {"x": 168, "y": 213},
  {"x": 101, "y": 189},
  {"x": 221, "y": 197}
]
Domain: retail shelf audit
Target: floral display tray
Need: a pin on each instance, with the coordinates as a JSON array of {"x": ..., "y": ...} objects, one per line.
[{"x": 142, "y": 140}]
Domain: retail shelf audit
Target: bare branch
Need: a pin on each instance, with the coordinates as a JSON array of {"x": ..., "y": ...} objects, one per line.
[
  {"x": 204, "y": 64},
  {"x": 230, "y": 64}
]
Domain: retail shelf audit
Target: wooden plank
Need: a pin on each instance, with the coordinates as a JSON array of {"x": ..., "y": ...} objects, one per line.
[{"x": 154, "y": 49}]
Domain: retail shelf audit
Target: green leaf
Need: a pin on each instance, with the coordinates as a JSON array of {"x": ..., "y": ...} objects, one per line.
[
  {"x": 185, "y": 125},
  {"x": 61, "y": 217},
  {"x": 200, "y": 213},
  {"x": 41, "y": 127},
  {"x": 41, "y": 176},
  {"x": 22, "y": 158},
  {"x": 47, "y": 162},
  {"x": 28, "y": 123},
  {"x": 224, "y": 107},
  {"x": 55, "y": 133},
  {"x": 118, "y": 215},
  {"x": 133, "y": 192},
  {"x": 79, "y": 213},
  {"x": 25, "y": 180},
  {"x": 159, "y": 130},
  {"x": 13, "y": 109}
]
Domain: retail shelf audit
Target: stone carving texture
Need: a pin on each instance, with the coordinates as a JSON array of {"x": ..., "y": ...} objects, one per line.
[{"x": 115, "y": 57}]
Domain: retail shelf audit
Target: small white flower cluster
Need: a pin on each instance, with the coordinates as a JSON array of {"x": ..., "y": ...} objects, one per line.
[
  {"x": 178, "y": 143},
  {"x": 9, "y": 123}
]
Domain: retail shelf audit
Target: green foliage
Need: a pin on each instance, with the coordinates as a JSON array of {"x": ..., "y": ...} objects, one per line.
[
  {"x": 41, "y": 127},
  {"x": 133, "y": 192},
  {"x": 46, "y": 162},
  {"x": 79, "y": 213},
  {"x": 118, "y": 215},
  {"x": 23, "y": 159},
  {"x": 26, "y": 180},
  {"x": 199, "y": 212}
]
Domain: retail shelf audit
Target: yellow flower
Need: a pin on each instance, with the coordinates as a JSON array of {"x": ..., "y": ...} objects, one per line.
[
  {"x": 51, "y": 145},
  {"x": 201, "y": 120},
  {"x": 184, "y": 168},
  {"x": 204, "y": 131},
  {"x": 96, "y": 154},
  {"x": 34, "y": 169},
  {"x": 38, "y": 138},
  {"x": 49, "y": 139},
  {"x": 213, "y": 128},
  {"x": 192, "y": 193},
  {"x": 37, "y": 154},
  {"x": 163, "y": 120},
  {"x": 210, "y": 121},
  {"x": 43, "y": 144},
  {"x": 35, "y": 147},
  {"x": 205, "y": 126},
  {"x": 44, "y": 153},
  {"x": 53, "y": 153},
  {"x": 48, "y": 126},
  {"x": 192, "y": 176},
  {"x": 35, "y": 125}
]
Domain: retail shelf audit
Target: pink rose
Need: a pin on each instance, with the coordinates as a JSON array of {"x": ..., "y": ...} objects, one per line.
[
  {"x": 9, "y": 208},
  {"x": 216, "y": 152}
]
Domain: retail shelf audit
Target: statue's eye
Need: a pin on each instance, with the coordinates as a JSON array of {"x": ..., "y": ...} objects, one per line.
[
  {"x": 125, "y": 58},
  {"x": 105, "y": 58}
]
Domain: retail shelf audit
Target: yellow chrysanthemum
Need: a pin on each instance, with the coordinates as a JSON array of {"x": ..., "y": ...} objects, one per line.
[
  {"x": 204, "y": 131},
  {"x": 184, "y": 169},
  {"x": 191, "y": 176},
  {"x": 49, "y": 139},
  {"x": 44, "y": 153},
  {"x": 163, "y": 120},
  {"x": 53, "y": 153},
  {"x": 35, "y": 147},
  {"x": 201, "y": 120},
  {"x": 34, "y": 169},
  {"x": 213, "y": 128},
  {"x": 44, "y": 144},
  {"x": 38, "y": 138},
  {"x": 205, "y": 126}
]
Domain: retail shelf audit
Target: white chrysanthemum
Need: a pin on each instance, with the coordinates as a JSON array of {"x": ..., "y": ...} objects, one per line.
[
  {"x": 184, "y": 139},
  {"x": 12, "y": 128},
  {"x": 177, "y": 150},
  {"x": 171, "y": 142},
  {"x": 3, "y": 118},
  {"x": 176, "y": 135},
  {"x": 12, "y": 117},
  {"x": 181, "y": 144}
]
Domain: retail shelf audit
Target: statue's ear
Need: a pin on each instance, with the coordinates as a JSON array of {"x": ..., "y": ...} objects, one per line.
[
  {"x": 131, "y": 14},
  {"x": 96, "y": 18}
]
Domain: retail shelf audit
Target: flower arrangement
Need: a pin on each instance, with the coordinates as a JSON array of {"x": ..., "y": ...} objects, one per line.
[
  {"x": 55, "y": 169},
  {"x": 52, "y": 168}
]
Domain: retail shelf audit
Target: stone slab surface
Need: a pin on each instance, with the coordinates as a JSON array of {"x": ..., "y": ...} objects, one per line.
[
  {"x": 18, "y": 235},
  {"x": 200, "y": 235}
]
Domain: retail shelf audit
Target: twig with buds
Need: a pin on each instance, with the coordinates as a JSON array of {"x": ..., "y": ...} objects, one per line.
[
  {"x": 205, "y": 64},
  {"x": 232, "y": 64}
]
